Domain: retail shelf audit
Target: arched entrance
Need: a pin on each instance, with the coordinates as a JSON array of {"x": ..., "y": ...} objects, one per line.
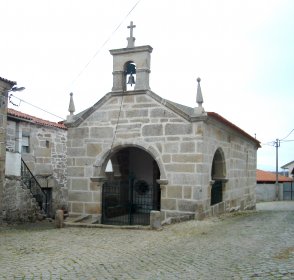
[
  {"x": 130, "y": 191},
  {"x": 218, "y": 176}
]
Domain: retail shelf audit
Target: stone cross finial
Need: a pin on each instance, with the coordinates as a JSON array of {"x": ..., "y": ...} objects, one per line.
[
  {"x": 199, "y": 98},
  {"x": 131, "y": 39},
  {"x": 71, "y": 107},
  {"x": 131, "y": 26}
]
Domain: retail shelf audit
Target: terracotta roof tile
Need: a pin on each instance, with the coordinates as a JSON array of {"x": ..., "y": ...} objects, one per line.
[
  {"x": 36, "y": 120},
  {"x": 8, "y": 81},
  {"x": 265, "y": 176},
  {"x": 233, "y": 126}
]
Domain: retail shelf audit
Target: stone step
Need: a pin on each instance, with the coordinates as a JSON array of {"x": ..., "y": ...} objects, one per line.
[{"x": 87, "y": 219}]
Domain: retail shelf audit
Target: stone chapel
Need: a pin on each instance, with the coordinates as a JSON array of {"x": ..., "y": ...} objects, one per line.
[{"x": 133, "y": 152}]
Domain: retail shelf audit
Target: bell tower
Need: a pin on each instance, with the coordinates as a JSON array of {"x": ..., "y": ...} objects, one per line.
[{"x": 131, "y": 66}]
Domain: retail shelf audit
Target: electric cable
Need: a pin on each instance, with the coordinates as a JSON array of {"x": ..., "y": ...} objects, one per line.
[
  {"x": 115, "y": 131},
  {"x": 21, "y": 100},
  {"x": 287, "y": 135},
  {"x": 287, "y": 141},
  {"x": 117, "y": 122},
  {"x": 81, "y": 72},
  {"x": 272, "y": 143},
  {"x": 102, "y": 46}
]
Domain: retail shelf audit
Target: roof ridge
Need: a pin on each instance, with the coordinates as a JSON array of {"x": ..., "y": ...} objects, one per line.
[
  {"x": 232, "y": 125},
  {"x": 12, "y": 112}
]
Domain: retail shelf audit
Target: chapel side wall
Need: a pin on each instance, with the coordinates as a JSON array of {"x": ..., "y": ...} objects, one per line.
[
  {"x": 240, "y": 163},
  {"x": 46, "y": 158},
  {"x": 173, "y": 142}
]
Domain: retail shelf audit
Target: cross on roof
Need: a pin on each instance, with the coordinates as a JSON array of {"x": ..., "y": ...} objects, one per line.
[{"x": 131, "y": 26}]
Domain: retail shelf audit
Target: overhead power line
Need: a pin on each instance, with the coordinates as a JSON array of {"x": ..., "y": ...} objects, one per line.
[
  {"x": 273, "y": 143},
  {"x": 287, "y": 141},
  {"x": 277, "y": 144},
  {"x": 287, "y": 135},
  {"x": 84, "y": 68},
  {"x": 21, "y": 100},
  {"x": 102, "y": 46}
]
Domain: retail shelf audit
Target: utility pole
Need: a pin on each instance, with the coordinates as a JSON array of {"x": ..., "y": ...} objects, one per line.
[{"x": 277, "y": 145}]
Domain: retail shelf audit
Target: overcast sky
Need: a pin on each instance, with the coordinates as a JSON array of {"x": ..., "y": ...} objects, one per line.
[{"x": 242, "y": 50}]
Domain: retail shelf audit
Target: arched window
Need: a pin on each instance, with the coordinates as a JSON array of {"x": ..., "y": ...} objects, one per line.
[
  {"x": 218, "y": 170},
  {"x": 218, "y": 175}
]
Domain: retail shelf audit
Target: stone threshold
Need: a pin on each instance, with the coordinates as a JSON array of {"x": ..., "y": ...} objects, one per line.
[
  {"x": 88, "y": 221},
  {"x": 91, "y": 225}
]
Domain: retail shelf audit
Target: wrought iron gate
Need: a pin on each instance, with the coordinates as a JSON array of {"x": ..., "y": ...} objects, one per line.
[
  {"x": 288, "y": 191},
  {"x": 127, "y": 202}
]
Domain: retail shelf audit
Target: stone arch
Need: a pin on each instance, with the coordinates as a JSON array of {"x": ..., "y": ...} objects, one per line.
[
  {"x": 129, "y": 196},
  {"x": 218, "y": 176},
  {"x": 218, "y": 168},
  {"x": 102, "y": 159}
]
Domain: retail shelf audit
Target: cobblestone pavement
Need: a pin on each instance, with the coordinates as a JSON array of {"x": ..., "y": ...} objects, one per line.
[{"x": 251, "y": 245}]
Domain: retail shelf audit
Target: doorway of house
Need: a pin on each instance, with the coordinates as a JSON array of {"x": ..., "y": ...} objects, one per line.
[
  {"x": 131, "y": 190},
  {"x": 216, "y": 192}
]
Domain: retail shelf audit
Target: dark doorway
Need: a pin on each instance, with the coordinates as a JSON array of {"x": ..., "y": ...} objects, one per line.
[
  {"x": 127, "y": 202},
  {"x": 218, "y": 175},
  {"x": 129, "y": 197},
  {"x": 216, "y": 192}
]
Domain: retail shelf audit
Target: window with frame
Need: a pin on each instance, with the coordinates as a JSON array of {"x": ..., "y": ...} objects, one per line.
[{"x": 25, "y": 144}]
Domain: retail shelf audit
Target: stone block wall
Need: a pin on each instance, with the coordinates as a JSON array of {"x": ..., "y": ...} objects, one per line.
[
  {"x": 46, "y": 158},
  {"x": 18, "y": 203},
  {"x": 3, "y": 120},
  {"x": 183, "y": 151},
  {"x": 240, "y": 166},
  {"x": 5, "y": 85},
  {"x": 182, "y": 160},
  {"x": 171, "y": 140}
]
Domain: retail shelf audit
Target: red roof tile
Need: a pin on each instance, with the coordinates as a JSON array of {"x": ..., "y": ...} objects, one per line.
[
  {"x": 36, "y": 120},
  {"x": 233, "y": 126},
  {"x": 265, "y": 176}
]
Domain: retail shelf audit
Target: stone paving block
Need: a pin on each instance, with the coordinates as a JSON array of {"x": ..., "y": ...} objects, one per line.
[{"x": 232, "y": 247}]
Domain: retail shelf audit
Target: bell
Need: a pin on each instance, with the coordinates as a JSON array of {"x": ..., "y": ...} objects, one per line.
[{"x": 131, "y": 80}]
